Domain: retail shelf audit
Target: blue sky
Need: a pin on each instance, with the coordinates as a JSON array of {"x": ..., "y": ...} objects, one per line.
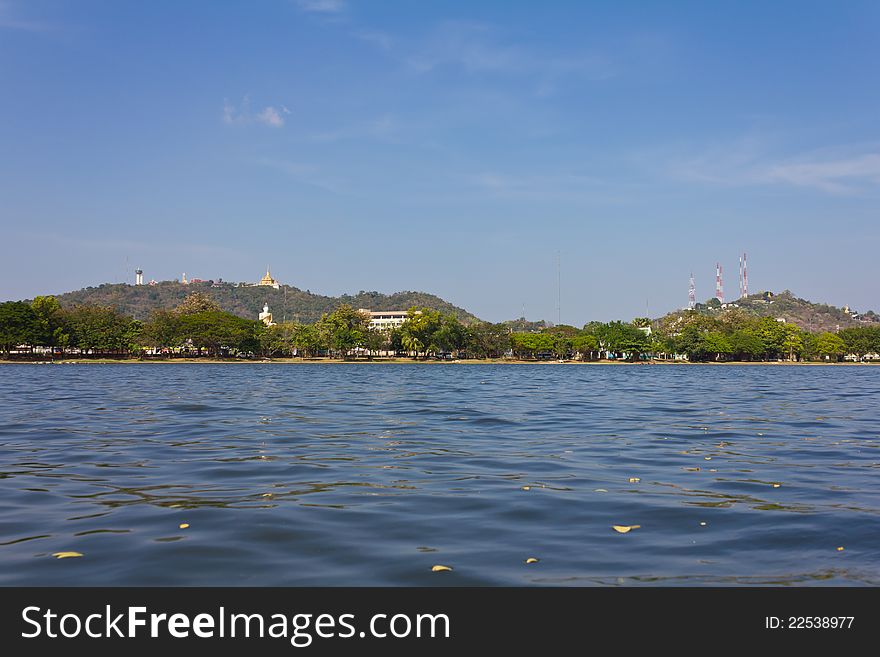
[{"x": 451, "y": 147}]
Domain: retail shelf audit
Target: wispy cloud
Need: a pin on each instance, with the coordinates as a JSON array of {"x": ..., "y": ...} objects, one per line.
[
  {"x": 479, "y": 48},
  {"x": 543, "y": 186},
  {"x": 384, "y": 127},
  {"x": 832, "y": 175},
  {"x": 322, "y": 6},
  {"x": 269, "y": 115},
  {"x": 747, "y": 162},
  {"x": 9, "y": 20},
  {"x": 376, "y": 38},
  {"x": 304, "y": 174}
]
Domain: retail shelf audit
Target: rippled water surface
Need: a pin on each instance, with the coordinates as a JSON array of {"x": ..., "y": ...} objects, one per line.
[{"x": 371, "y": 474}]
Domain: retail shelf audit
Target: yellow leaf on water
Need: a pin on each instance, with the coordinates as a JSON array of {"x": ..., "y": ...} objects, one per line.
[
  {"x": 439, "y": 568},
  {"x": 184, "y": 525},
  {"x": 624, "y": 529},
  {"x": 66, "y": 555},
  {"x": 531, "y": 560},
  {"x": 634, "y": 480}
]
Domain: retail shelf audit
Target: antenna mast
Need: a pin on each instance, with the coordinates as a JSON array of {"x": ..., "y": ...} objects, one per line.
[{"x": 558, "y": 289}]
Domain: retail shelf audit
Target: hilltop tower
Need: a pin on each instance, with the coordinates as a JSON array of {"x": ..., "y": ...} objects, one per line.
[
  {"x": 745, "y": 278},
  {"x": 138, "y": 276},
  {"x": 719, "y": 285},
  {"x": 692, "y": 294}
]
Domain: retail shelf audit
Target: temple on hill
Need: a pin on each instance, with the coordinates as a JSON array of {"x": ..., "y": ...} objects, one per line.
[{"x": 268, "y": 280}]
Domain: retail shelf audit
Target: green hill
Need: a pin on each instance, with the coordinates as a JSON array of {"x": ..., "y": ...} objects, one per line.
[
  {"x": 287, "y": 302},
  {"x": 814, "y": 317}
]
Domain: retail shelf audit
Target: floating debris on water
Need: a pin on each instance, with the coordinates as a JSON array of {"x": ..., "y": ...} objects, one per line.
[
  {"x": 776, "y": 485},
  {"x": 624, "y": 529},
  {"x": 534, "y": 560},
  {"x": 439, "y": 568},
  {"x": 71, "y": 555},
  {"x": 184, "y": 525},
  {"x": 527, "y": 488},
  {"x": 600, "y": 490},
  {"x": 840, "y": 549},
  {"x": 634, "y": 480},
  {"x": 702, "y": 524}
]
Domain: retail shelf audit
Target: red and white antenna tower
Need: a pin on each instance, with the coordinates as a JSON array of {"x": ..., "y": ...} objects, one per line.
[
  {"x": 692, "y": 294},
  {"x": 740, "y": 279},
  {"x": 719, "y": 286},
  {"x": 745, "y": 277}
]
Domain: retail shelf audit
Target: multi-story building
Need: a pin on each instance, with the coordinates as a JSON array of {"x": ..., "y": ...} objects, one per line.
[{"x": 386, "y": 319}]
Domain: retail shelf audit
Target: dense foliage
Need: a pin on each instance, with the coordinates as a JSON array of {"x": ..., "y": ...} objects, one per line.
[
  {"x": 287, "y": 302},
  {"x": 198, "y": 327}
]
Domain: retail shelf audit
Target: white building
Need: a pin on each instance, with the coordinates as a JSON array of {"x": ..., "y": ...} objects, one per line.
[{"x": 386, "y": 319}]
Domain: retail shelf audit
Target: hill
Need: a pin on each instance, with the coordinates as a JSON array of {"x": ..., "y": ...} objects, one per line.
[
  {"x": 807, "y": 315},
  {"x": 287, "y": 302}
]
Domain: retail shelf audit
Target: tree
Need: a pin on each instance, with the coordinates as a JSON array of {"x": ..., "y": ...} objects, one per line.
[
  {"x": 375, "y": 341},
  {"x": 421, "y": 331},
  {"x": 344, "y": 329},
  {"x": 715, "y": 342},
  {"x": 773, "y": 336},
  {"x": 50, "y": 322},
  {"x": 486, "y": 340},
  {"x": 620, "y": 338},
  {"x": 18, "y": 325},
  {"x": 746, "y": 344},
  {"x": 585, "y": 344},
  {"x": 197, "y": 302},
  {"x": 829, "y": 346},
  {"x": 163, "y": 330},
  {"x": 792, "y": 341},
  {"x": 100, "y": 329},
  {"x": 451, "y": 335},
  {"x": 306, "y": 340},
  {"x": 861, "y": 340},
  {"x": 217, "y": 331}
]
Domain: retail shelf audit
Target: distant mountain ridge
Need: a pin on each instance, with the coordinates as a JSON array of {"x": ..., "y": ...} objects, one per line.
[
  {"x": 286, "y": 302},
  {"x": 807, "y": 315}
]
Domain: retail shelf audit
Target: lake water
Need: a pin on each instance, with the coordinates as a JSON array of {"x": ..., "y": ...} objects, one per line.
[{"x": 364, "y": 474}]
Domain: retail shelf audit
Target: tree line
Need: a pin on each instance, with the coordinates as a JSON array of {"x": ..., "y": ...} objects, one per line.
[{"x": 199, "y": 327}]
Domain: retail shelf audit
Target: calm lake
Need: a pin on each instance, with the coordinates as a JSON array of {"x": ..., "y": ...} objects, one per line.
[{"x": 365, "y": 474}]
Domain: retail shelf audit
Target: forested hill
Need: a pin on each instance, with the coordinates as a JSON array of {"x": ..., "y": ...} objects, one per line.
[
  {"x": 288, "y": 302},
  {"x": 807, "y": 315}
]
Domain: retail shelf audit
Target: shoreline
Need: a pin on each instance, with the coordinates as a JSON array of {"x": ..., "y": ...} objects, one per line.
[{"x": 408, "y": 361}]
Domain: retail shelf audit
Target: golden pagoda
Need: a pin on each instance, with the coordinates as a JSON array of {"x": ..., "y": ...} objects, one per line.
[{"x": 268, "y": 280}]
